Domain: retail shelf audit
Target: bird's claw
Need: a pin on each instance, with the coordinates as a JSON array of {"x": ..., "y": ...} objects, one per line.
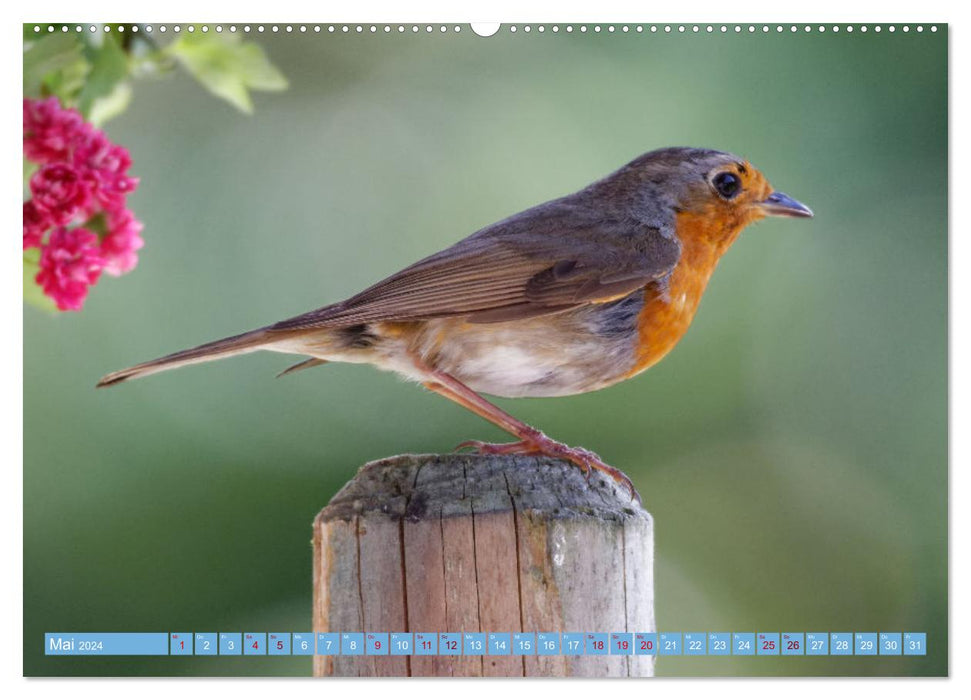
[{"x": 586, "y": 460}]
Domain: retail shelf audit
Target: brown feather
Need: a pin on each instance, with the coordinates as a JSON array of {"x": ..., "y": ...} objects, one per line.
[
  {"x": 225, "y": 347},
  {"x": 306, "y": 364},
  {"x": 553, "y": 257}
]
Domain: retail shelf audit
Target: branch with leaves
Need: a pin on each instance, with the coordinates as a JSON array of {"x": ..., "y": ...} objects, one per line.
[{"x": 76, "y": 180}]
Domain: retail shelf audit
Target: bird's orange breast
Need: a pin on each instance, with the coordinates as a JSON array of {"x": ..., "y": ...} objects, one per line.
[{"x": 668, "y": 312}]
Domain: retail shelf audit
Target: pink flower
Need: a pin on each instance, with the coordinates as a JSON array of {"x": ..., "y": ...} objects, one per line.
[
  {"x": 60, "y": 192},
  {"x": 69, "y": 264},
  {"x": 83, "y": 181},
  {"x": 105, "y": 166},
  {"x": 36, "y": 222},
  {"x": 123, "y": 239},
  {"x": 49, "y": 130}
]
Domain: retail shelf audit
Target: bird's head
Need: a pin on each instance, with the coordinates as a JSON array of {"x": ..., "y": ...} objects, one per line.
[{"x": 717, "y": 192}]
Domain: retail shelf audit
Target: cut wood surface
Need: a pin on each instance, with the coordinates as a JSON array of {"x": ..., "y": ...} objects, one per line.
[{"x": 470, "y": 543}]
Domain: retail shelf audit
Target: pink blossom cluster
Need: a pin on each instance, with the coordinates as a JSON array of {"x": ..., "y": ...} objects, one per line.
[{"x": 77, "y": 214}]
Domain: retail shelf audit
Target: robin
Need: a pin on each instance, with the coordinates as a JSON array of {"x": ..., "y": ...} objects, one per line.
[{"x": 570, "y": 296}]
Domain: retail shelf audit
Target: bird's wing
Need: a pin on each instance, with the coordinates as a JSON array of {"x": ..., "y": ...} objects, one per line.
[{"x": 547, "y": 259}]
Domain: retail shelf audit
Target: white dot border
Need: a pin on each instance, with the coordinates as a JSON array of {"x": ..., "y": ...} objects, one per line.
[{"x": 516, "y": 29}]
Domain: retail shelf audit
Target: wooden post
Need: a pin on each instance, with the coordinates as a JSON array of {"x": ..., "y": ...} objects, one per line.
[{"x": 468, "y": 543}]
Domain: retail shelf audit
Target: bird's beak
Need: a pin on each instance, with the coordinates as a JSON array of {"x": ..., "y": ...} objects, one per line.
[{"x": 779, "y": 204}]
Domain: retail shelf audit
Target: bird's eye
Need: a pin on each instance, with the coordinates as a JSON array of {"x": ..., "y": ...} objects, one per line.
[{"x": 727, "y": 184}]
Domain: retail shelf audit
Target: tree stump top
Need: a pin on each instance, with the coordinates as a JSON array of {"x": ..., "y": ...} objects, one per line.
[
  {"x": 467, "y": 543},
  {"x": 411, "y": 486}
]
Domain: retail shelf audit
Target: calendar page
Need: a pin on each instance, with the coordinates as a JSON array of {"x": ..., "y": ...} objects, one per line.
[{"x": 547, "y": 349}]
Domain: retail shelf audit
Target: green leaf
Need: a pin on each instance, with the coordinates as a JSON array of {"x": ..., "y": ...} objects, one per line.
[
  {"x": 109, "y": 66},
  {"x": 257, "y": 70},
  {"x": 30, "y": 167},
  {"x": 48, "y": 56},
  {"x": 231, "y": 89},
  {"x": 33, "y": 294},
  {"x": 148, "y": 62},
  {"x": 67, "y": 82},
  {"x": 227, "y": 67},
  {"x": 111, "y": 105}
]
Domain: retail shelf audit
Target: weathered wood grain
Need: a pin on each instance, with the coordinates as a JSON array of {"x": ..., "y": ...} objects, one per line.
[{"x": 469, "y": 543}]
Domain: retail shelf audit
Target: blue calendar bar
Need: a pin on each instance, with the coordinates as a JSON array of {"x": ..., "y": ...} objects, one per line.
[
  {"x": 230, "y": 643},
  {"x": 377, "y": 643},
  {"x": 302, "y": 643},
  {"x": 450, "y": 644},
  {"x": 426, "y": 644},
  {"x": 278, "y": 644},
  {"x": 645, "y": 643},
  {"x": 891, "y": 644},
  {"x": 500, "y": 644},
  {"x": 669, "y": 643},
  {"x": 206, "y": 644},
  {"x": 621, "y": 643},
  {"x": 402, "y": 644},
  {"x": 767, "y": 644},
  {"x": 597, "y": 644},
  {"x": 180, "y": 644},
  {"x": 106, "y": 644},
  {"x": 841, "y": 643},
  {"x": 915, "y": 643},
  {"x": 254, "y": 644},
  {"x": 764, "y": 644},
  {"x": 743, "y": 644},
  {"x": 524, "y": 643},
  {"x": 719, "y": 643},
  {"x": 474, "y": 643},
  {"x": 328, "y": 644},
  {"x": 695, "y": 644},
  {"x": 865, "y": 643},
  {"x": 572, "y": 644},
  {"x": 793, "y": 644},
  {"x": 548, "y": 643},
  {"x": 352, "y": 644},
  {"x": 817, "y": 644}
]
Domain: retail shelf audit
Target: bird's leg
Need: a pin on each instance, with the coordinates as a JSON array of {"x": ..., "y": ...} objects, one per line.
[{"x": 531, "y": 441}]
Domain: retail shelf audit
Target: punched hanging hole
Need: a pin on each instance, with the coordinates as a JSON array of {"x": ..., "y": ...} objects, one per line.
[{"x": 485, "y": 28}]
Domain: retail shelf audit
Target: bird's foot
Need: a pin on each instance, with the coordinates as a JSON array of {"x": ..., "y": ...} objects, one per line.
[{"x": 542, "y": 445}]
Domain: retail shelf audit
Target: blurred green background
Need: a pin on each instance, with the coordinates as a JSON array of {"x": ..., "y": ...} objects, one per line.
[{"x": 793, "y": 448}]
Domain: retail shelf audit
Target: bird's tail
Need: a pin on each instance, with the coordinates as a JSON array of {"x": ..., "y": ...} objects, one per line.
[{"x": 216, "y": 350}]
